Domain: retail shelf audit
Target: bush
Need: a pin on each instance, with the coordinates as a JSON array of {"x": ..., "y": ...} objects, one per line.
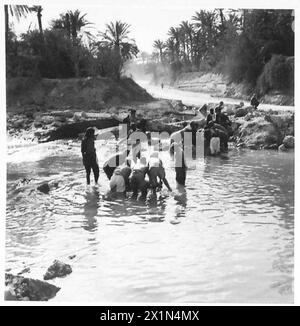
[{"x": 277, "y": 75}]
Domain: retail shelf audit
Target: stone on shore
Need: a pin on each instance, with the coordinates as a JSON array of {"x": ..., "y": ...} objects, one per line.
[
  {"x": 177, "y": 105},
  {"x": 44, "y": 188},
  {"x": 289, "y": 141},
  {"x": 283, "y": 148},
  {"x": 57, "y": 269},
  {"x": 18, "y": 123},
  {"x": 281, "y": 121},
  {"x": 37, "y": 124},
  {"x": 241, "y": 112},
  {"x": 27, "y": 289},
  {"x": 258, "y": 134},
  {"x": 84, "y": 115}
]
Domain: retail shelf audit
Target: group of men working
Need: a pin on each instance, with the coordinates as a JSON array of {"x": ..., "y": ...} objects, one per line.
[
  {"x": 124, "y": 172},
  {"x": 217, "y": 130},
  {"x": 134, "y": 173}
]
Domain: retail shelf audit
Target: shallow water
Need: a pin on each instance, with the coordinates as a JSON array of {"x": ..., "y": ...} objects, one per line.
[{"x": 227, "y": 237}]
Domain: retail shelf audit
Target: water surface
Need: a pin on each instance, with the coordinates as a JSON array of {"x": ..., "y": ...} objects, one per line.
[{"x": 227, "y": 237}]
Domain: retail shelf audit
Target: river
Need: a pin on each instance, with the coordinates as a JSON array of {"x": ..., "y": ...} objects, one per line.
[{"x": 228, "y": 236}]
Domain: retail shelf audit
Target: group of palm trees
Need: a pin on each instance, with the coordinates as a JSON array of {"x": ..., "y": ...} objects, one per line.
[
  {"x": 116, "y": 35},
  {"x": 193, "y": 42}
]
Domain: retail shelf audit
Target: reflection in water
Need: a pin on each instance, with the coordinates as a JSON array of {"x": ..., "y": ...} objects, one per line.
[
  {"x": 91, "y": 209},
  {"x": 227, "y": 236}
]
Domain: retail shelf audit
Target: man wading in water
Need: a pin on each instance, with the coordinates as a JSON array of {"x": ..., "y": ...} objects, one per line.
[{"x": 89, "y": 156}]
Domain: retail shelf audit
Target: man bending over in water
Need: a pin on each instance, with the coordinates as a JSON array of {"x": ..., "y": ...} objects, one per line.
[
  {"x": 119, "y": 181},
  {"x": 137, "y": 178},
  {"x": 157, "y": 171},
  {"x": 114, "y": 161},
  {"x": 89, "y": 156}
]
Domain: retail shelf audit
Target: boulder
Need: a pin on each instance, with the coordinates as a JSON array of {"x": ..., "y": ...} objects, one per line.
[
  {"x": 74, "y": 129},
  {"x": 27, "y": 289},
  {"x": 177, "y": 105},
  {"x": 57, "y": 124},
  {"x": 258, "y": 133},
  {"x": 158, "y": 126},
  {"x": 60, "y": 118},
  {"x": 47, "y": 119},
  {"x": 44, "y": 188},
  {"x": 38, "y": 124},
  {"x": 289, "y": 141},
  {"x": 57, "y": 269},
  {"x": 84, "y": 115},
  {"x": 282, "y": 148},
  {"x": 76, "y": 118},
  {"x": 241, "y": 112},
  {"x": 18, "y": 123},
  {"x": 281, "y": 121},
  {"x": 68, "y": 113}
]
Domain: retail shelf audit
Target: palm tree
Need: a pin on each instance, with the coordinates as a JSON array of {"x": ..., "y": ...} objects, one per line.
[
  {"x": 170, "y": 46},
  {"x": 174, "y": 34},
  {"x": 116, "y": 37},
  {"x": 187, "y": 28},
  {"x": 159, "y": 45},
  {"x": 206, "y": 29},
  {"x": 38, "y": 10},
  {"x": 72, "y": 22},
  {"x": 17, "y": 11},
  {"x": 77, "y": 22}
]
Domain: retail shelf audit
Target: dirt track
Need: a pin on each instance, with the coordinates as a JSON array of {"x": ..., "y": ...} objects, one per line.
[{"x": 198, "y": 99}]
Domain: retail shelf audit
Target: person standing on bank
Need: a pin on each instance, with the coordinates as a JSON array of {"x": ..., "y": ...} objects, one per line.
[{"x": 89, "y": 157}]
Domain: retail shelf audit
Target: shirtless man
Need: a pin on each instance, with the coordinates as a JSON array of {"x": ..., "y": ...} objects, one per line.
[
  {"x": 156, "y": 173},
  {"x": 137, "y": 178}
]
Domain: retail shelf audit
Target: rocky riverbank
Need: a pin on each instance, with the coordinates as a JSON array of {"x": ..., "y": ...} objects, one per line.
[
  {"x": 21, "y": 288},
  {"x": 255, "y": 129},
  {"x": 48, "y": 110}
]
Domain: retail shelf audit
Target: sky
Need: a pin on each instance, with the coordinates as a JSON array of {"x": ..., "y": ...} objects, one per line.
[{"x": 149, "y": 19}]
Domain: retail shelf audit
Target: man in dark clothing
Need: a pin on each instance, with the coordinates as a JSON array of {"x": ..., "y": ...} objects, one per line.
[
  {"x": 89, "y": 156},
  {"x": 216, "y": 130},
  {"x": 210, "y": 116},
  {"x": 222, "y": 119},
  {"x": 180, "y": 164},
  {"x": 254, "y": 101}
]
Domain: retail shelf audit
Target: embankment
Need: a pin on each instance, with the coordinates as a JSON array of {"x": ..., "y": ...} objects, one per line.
[
  {"x": 82, "y": 94},
  {"x": 61, "y": 109},
  {"x": 218, "y": 85}
]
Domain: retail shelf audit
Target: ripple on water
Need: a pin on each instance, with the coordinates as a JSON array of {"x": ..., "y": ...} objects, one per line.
[{"x": 227, "y": 237}]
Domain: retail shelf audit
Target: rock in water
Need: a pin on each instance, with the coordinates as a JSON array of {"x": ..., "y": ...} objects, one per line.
[
  {"x": 22, "y": 288},
  {"x": 57, "y": 269},
  {"x": 289, "y": 141},
  {"x": 44, "y": 188},
  {"x": 177, "y": 105},
  {"x": 282, "y": 148},
  {"x": 241, "y": 112}
]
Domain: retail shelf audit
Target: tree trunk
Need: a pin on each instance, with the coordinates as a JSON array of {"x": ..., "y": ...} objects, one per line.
[
  {"x": 222, "y": 18},
  {"x": 6, "y": 22},
  {"x": 39, "y": 16}
]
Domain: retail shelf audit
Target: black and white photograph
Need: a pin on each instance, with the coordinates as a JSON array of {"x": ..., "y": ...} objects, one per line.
[{"x": 148, "y": 152}]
